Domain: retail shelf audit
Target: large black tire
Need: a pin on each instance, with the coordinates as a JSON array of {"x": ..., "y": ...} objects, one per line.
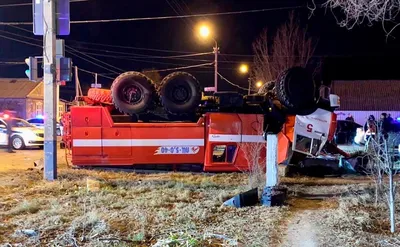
[
  {"x": 295, "y": 89},
  {"x": 180, "y": 93},
  {"x": 133, "y": 93}
]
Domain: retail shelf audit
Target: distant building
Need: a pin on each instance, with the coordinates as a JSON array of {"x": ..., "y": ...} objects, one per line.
[
  {"x": 368, "y": 97},
  {"x": 24, "y": 97}
]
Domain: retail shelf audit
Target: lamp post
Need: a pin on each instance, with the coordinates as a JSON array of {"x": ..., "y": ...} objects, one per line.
[{"x": 205, "y": 33}]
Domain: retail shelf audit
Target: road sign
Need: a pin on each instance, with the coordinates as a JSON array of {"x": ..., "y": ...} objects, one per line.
[
  {"x": 209, "y": 89},
  {"x": 95, "y": 85}
]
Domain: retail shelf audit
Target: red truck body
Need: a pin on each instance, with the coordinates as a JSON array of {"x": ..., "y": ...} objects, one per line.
[{"x": 220, "y": 142}]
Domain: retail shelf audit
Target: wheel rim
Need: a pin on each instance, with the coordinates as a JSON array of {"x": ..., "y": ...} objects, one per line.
[
  {"x": 132, "y": 94},
  {"x": 17, "y": 143},
  {"x": 180, "y": 94}
]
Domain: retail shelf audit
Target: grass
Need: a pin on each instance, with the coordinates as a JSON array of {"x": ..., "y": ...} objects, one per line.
[
  {"x": 125, "y": 209},
  {"x": 128, "y": 209}
]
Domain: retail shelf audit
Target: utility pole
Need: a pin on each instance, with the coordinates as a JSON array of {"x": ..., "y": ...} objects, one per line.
[
  {"x": 248, "y": 93},
  {"x": 76, "y": 83},
  {"x": 50, "y": 89},
  {"x": 95, "y": 80},
  {"x": 216, "y": 51}
]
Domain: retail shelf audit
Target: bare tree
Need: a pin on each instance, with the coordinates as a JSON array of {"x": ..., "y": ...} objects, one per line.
[
  {"x": 254, "y": 153},
  {"x": 359, "y": 11},
  {"x": 383, "y": 157},
  {"x": 289, "y": 47},
  {"x": 153, "y": 75}
]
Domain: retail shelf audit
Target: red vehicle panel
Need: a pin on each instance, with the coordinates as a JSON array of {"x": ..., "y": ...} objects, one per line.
[{"x": 219, "y": 141}]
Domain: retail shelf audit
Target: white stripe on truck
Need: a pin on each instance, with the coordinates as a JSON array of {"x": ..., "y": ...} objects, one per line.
[
  {"x": 136, "y": 142},
  {"x": 165, "y": 142}
]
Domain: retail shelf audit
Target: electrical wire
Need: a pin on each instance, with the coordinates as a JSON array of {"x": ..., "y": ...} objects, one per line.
[
  {"x": 89, "y": 61},
  {"x": 11, "y": 63},
  {"x": 165, "y": 17},
  {"x": 127, "y": 47},
  {"x": 94, "y": 73},
  {"x": 133, "y": 58},
  {"x": 137, "y": 55},
  {"x": 111, "y": 66},
  {"x": 21, "y": 41},
  {"x": 21, "y": 36},
  {"x": 181, "y": 68},
  {"x": 184, "y": 16},
  {"x": 233, "y": 84},
  {"x": 130, "y": 56}
]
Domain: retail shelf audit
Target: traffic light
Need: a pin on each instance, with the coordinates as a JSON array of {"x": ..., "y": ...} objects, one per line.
[
  {"x": 64, "y": 69},
  {"x": 32, "y": 72}
]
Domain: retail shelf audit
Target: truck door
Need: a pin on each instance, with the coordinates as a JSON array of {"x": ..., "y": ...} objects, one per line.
[{"x": 311, "y": 132}]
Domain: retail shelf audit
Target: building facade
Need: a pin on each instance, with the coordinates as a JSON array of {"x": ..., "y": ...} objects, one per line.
[
  {"x": 363, "y": 98},
  {"x": 25, "y": 98}
]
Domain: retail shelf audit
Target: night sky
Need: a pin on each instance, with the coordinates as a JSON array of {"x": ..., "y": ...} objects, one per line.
[{"x": 361, "y": 53}]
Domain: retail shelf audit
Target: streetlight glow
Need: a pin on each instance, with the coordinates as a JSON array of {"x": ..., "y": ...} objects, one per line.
[
  {"x": 259, "y": 84},
  {"x": 244, "y": 68},
  {"x": 204, "y": 31}
]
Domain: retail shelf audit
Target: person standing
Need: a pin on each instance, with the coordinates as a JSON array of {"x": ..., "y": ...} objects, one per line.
[
  {"x": 384, "y": 126},
  {"x": 350, "y": 118},
  {"x": 9, "y": 134},
  {"x": 370, "y": 128}
]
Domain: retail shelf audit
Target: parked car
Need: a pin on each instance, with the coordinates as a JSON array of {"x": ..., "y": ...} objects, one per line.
[
  {"x": 39, "y": 122},
  {"x": 23, "y": 134},
  {"x": 346, "y": 131}
]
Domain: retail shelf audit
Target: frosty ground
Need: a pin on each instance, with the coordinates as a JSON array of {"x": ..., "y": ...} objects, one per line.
[{"x": 98, "y": 208}]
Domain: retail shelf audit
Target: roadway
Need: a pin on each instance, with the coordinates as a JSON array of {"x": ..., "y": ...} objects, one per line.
[{"x": 24, "y": 159}]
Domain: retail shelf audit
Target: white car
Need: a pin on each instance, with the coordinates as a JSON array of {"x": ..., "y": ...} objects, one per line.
[
  {"x": 39, "y": 122},
  {"x": 23, "y": 134}
]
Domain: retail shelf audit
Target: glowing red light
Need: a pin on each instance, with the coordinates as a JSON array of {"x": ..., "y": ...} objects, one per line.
[{"x": 6, "y": 116}]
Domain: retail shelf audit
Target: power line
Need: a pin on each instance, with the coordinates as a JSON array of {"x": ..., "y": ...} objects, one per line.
[
  {"x": 21, "y": 36},
  {"x": 12, "y": 63},
  {"x": 115, "y": 46},
  {"x": 89, "y": 61},
  {"x": 181, "y": 68},
  {"x": 140, "y": 59},
  {"x": 21, "y": 41},
  {"x": 129, "y": 47},
  {"x": 183, "y": 16},
  {"x": 233, "y": 84},
  {"x": 111, "y": 66},
  {"x": 137, "y": 55},
  {"x": 93, "y": 73},
  {"x": 165, "y": 17}
]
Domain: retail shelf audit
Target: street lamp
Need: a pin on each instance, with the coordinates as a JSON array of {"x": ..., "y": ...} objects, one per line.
[
  {"x": 259, "y": 84},
  {"x": 205, "y": 32},
  {"x": 244, "y": 68}
]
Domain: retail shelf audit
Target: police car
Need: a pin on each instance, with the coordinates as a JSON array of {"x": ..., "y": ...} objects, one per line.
[
  {"x": 39, "y": 122},
  {"x": 23, "y": 134}
]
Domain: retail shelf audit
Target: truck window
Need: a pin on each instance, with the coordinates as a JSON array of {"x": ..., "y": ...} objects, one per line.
[
  {"x": 224, "y": 153},
  {"x": 219, "y": 153},
  {"x": 230, "y": 153}
]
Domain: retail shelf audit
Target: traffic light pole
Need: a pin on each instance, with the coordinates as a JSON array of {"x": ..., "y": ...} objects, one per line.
[{"x": 50, "y": 89}]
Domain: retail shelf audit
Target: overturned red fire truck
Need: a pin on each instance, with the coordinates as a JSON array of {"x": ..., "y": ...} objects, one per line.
[{"x": 220, "y": 133}]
